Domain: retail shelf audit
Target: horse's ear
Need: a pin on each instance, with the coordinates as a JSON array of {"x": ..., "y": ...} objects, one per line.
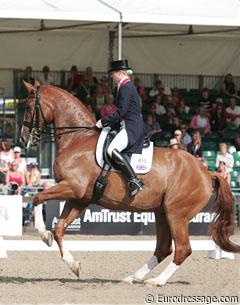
[
  {"x": 36, "y": 83},
  {"x": 28, "y": 86}
]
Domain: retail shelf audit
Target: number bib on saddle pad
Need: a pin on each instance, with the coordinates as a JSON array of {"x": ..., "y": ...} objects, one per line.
[{"x": 141, "y": 163}]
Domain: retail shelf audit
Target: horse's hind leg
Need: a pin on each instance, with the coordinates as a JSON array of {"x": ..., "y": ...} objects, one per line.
[
  {"x": 163, "y": 248},
  {"x": 71, "y": 211},
  {"x": 179, "y": 230}
]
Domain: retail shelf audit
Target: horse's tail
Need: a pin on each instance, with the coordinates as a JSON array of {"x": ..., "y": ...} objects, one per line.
[{"x": 223, "y": 222}]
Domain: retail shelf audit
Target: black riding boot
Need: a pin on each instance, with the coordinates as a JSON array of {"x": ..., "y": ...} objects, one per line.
[{"x": 135, "y": 184}]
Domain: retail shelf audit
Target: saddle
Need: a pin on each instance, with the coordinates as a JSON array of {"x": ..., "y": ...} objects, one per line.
[{"x": 141, "y": 163}]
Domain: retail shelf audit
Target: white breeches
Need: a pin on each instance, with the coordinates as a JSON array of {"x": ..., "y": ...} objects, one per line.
[{"x": 120, "y": 142}]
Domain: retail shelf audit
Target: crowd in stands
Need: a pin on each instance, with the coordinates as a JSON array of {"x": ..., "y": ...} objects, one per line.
[
  {"x": 17, "y": 176},
  {"x": 14, "y": 171}
]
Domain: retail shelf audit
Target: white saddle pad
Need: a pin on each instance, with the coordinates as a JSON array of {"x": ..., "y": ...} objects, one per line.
[{"x": 141, "y": 163}]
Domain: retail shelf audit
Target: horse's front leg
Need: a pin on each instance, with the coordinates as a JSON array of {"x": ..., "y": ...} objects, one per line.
[
  {"x": 59, "y": 191},
  {"x": 71, "y": 211}
]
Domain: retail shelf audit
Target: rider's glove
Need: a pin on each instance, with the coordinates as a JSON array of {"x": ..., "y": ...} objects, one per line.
[{"x": 99, "y": 124}]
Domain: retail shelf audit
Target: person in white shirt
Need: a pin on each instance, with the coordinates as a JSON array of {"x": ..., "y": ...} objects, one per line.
[
  {"x": 225, "y": 157},
  {"x": 22, "y": 165},
  {"x": 233, "y": 112},
  {"x": 46, "y": 78}
]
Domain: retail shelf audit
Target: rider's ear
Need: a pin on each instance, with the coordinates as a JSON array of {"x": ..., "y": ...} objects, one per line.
[{"x": 28, "y": 86}]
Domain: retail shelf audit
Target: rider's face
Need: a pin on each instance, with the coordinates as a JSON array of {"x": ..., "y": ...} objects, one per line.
[{"x": 116, "y": 76}]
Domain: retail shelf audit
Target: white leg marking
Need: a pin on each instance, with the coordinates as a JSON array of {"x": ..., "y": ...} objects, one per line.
[
  {"x": 39, "y": 223},
  {"x": 143, "y": 271},
  {"x": 146, "y": 268},
  {"x": 67, "y": 256},
  {"x": 69, "y": 260},
  {"x": 164, "y": 276}
]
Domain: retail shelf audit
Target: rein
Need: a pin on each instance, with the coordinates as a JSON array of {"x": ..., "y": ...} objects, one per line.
[{"x": 34, "y": 125}]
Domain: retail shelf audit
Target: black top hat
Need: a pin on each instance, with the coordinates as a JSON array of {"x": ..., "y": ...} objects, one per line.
[{"x": 117, "y": 65}]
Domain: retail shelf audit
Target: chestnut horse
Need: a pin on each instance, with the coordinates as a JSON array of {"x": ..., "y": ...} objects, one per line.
[{"x": 176, "y": 189}]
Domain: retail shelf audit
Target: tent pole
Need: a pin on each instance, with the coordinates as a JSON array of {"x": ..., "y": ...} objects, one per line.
[{"x": 120, "y": 38}]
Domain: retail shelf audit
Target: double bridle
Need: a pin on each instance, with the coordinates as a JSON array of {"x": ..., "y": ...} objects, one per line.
[{"x": 36, "y": 130}]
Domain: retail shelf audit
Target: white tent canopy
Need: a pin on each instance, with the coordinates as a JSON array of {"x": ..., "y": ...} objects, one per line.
[
  {"x": 158, "y": 36},
  {"x": 201, "y": 12}
]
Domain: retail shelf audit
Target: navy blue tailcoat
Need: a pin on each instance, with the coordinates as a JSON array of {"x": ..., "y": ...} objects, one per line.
[{"x": 129, "y": 110}]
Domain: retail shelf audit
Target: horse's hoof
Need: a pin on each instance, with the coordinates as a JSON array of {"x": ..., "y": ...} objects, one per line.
[
  {"x": 76, "y": 268},
  {"x": 154, "y": 282},
  {"x": 47, "y": 238}
]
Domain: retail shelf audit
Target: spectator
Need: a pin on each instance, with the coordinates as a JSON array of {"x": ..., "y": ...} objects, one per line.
[
  {"x": 2, "y": 177},
  {"x": 108, "y": 107},
  {"x": 170, "y": 105},
  {"x": 177, "y": 98},
  {"x": 186, "y": 138},
  {"x": 145, "y": 104},
  {"x": 46, "y": 78},
  {"x": 104, "y": 82},
  {"x": 98, "y": 100},
  {"x": 183, "y": 111},
  {"x": 169, "y": 122},
  {"x": 173, "y": 144},
  {"x": 27, "y": 77},
  {"x": 237, "y": 143},
  {"x": 92, "y": 80},
  {"x": 33, "y": 175},
  {"x": 224, "y": 156},
  {"x": 200, "y": 121},
  {"x": 139, "y": 87},
  {"x": 223, "y": 172},
  {"x": 178, "y": 137},
  {"x": 218, "y": 119},
  {"x": 22, "y": 165},
  {"x": 6, "y": 155},
  {"x": 205, "y": 101},
  {"x": 228, "y": 86},
  {"x": 84, "y": 92},
  {"x": 195, "y": 147},
  {"x": 158, "y": 88},
  {"x": 15, "y": 178},
  {"x": 152, "y": 109},
  {"x": 160, "y": 109},
  {"x": 74, "y": 80},
  {"x": 151, "y": 126},
  {"x": 233, "y": 112}
]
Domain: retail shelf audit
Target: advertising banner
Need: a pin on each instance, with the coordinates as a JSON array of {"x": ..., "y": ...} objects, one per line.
[
  {"x": 10, "y": 215},
  {"x": 100, "y": 221}
]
